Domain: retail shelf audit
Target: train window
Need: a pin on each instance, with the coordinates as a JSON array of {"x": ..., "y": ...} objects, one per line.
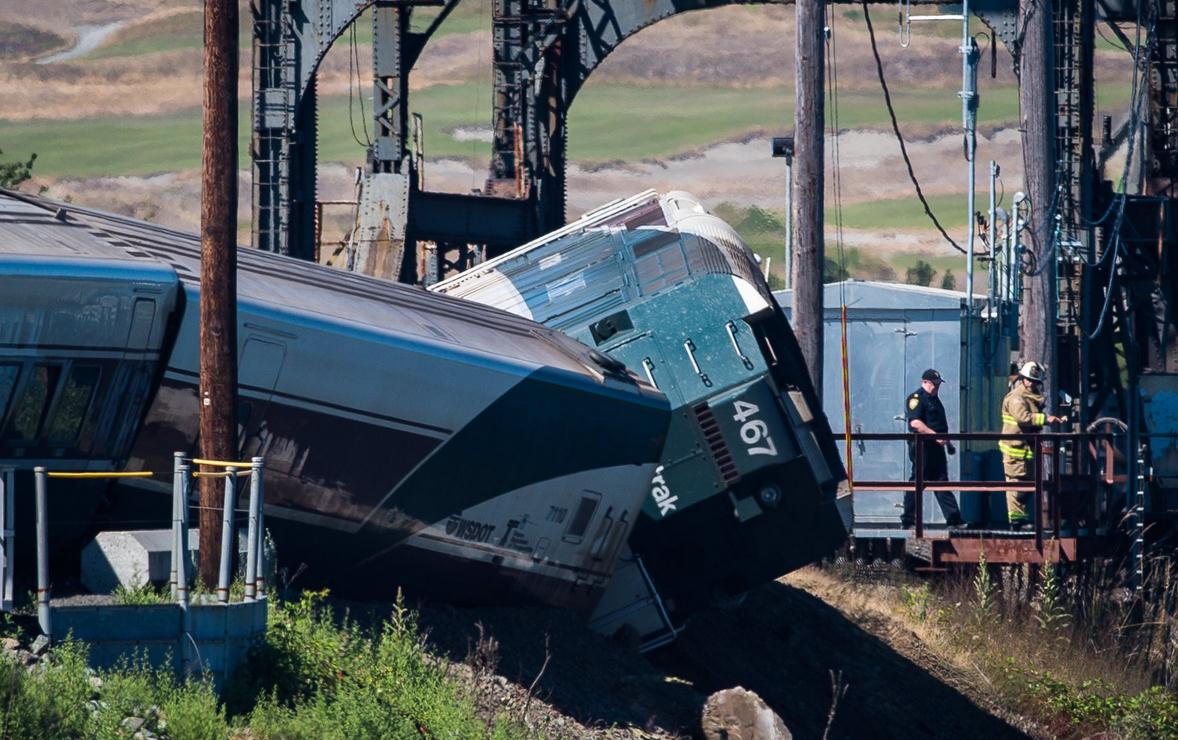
[
  {"x": 581, "y": 517},
  {"x": 8, "y": 376},
  {"x": 660, "y": 263},
  {"x": 29, "y": 411},
  {"x": 70, "y": 410}
]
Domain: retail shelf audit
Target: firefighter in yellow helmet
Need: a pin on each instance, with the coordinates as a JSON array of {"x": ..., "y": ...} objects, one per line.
[{"x": 1023, "y": 412}]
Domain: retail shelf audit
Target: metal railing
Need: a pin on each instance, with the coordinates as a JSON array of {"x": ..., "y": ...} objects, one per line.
[
  {"x": 182, "y": 473},
  {"x": 1081, "y": 479}
]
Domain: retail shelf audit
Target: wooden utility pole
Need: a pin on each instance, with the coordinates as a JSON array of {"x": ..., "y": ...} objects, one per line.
[
  {"x": 1037, "y": 103},
  {"x": 809, "y": 248},
  {"x": 218, "y": 268}
]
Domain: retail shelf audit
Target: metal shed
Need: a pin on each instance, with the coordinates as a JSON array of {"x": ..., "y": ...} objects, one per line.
[{"x": 894, "y": 333}]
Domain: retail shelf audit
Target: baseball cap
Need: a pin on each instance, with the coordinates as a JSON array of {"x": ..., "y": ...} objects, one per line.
[{"x": 932, "y": 375}]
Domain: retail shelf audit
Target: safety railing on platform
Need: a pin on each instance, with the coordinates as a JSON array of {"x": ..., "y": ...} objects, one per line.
[
  {"x": 8, "y": 532},
  {"x": 1079, "y": 478},
  {"x": 182, "y": 473}
]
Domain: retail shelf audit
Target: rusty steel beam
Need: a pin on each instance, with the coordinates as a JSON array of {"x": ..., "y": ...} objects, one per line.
[{"x": 1005, "y": 550}]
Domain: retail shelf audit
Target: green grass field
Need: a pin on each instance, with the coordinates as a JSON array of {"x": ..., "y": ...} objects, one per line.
[{"x": 606, "y": 123}]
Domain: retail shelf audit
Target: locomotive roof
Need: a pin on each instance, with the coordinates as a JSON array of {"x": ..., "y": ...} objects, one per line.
[{"x": 40, "y": 227}]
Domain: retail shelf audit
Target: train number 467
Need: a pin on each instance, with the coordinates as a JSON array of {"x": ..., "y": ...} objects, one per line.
[{"x": 753, "y": 432}]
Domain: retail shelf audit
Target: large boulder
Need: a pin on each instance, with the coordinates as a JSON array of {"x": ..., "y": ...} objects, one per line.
[{"x": 739, "y": 714}]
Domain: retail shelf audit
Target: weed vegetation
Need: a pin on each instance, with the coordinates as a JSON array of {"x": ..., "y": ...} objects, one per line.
[
  {"x": 313, "y": 676},
  {"x": 1075, "y": 651}
]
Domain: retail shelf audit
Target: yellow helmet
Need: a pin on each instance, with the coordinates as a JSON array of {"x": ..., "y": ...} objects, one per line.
[{"x": 1032, "y": 371}]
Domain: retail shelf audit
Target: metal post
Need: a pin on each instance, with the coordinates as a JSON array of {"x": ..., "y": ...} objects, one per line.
[
  {"x": 783, "y": 146},
  {"x": 789, "y": 222},
  {"x": 1056, "y": 483},
  {"x": 969, "y": 123},
  {"x": 177, "y": 553},
  {"x": 251, "y": 540},
  {"x": 260, "y": 575},
  {"x": 183, "y": 471},
  {"x": 42, "y": 504},
  {"x": 993, "y": 314},
  {"x": 918, "y": 479},
  {"x": 8, "y": 527},
  {"x": 992, "y": 289},
  {"x": 227, "y": 535},
  {"x": 1037, "y": 496},
  {"x": 182, "y": 535}
]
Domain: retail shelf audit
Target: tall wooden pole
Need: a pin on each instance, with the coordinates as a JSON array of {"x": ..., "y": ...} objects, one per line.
[
  {"x": 809, "y": 248},
  {"x": 1037, "y": 105},
  {"x": 218, "y": 268}
]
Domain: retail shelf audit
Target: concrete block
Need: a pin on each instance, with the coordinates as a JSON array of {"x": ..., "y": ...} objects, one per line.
[{"x": 131, "y": 558}]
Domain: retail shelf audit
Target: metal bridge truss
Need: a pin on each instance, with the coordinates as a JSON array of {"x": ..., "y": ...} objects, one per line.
[{"x": 544, "y": 51}]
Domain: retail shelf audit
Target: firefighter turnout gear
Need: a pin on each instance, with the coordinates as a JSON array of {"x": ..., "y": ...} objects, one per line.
[
  {"x": 1022, "y": 413},
  {"x": 1033, "y": 371}
]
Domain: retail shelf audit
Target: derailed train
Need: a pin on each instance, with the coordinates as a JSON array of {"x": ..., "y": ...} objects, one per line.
[
  {"x": 411, "y": 439},
  {"x": 748, "y": 486},
  {"x": 422, "y": 441}
]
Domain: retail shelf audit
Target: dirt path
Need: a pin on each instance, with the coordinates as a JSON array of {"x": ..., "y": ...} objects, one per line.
[{"x": 89, "y": 39}]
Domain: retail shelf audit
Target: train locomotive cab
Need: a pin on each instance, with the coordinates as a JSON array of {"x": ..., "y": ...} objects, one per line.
[{"x": 747, "y": 487}]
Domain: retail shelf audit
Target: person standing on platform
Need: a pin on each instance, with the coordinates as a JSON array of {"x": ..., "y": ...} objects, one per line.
[
  {"x": 1023, "y": 412},
  {"x": 926, "y": 416}
]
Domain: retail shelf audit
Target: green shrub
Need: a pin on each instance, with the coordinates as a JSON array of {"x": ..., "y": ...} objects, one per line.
[
  {"x": 139, "y": 594},
  {"x": 1092, "y": 707},
  {"x": 312, "y": 678},
  {"x": 50, "y": 700},
  {"x": 192, "y": 712}
]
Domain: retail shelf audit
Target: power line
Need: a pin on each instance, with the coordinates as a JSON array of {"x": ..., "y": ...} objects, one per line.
[{"x": 900, "y": 137}]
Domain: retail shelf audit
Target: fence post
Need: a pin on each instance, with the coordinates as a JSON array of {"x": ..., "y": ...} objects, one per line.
[
  {"x": 228, "y": 535},
  {"x": 8, "y": 527},
  {"x": 42, "y": 505},
  {"x": 251, "y": 540}
]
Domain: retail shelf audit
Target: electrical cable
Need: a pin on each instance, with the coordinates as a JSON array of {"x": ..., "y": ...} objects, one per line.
[
  {"x": 354, "y": 75},
  {"x": 900, "y": 137},
  {"x": 836, "y": 152}
]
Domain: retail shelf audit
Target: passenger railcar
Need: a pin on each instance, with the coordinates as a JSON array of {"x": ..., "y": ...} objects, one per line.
[
  {"x": 411, "y": 439},
  {"x": 748, "y": 484}
]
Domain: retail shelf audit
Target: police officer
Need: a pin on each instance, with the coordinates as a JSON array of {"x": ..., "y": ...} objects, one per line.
[{"x": 926, "y": 415}]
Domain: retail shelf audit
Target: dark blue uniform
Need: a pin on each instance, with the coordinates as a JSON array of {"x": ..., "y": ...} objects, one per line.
[{"x": 929, "y": 409}]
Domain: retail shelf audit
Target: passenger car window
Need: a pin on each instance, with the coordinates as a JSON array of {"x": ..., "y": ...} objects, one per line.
[
  {"x": 66, "y": 422},
  {"x": 8, "y": 376},
  {"x": 30, "y": 407}
]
